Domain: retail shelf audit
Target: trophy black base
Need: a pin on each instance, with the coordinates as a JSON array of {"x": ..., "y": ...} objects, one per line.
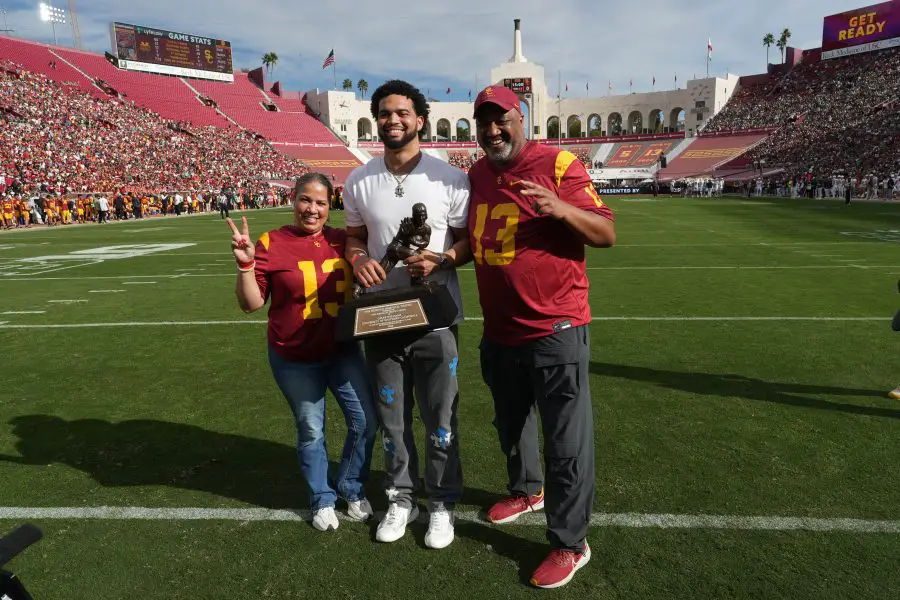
[{"x": 422, "y": 307}]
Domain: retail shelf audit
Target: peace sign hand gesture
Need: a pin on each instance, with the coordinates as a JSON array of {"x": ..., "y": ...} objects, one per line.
[{"x": 243, "y": 248}]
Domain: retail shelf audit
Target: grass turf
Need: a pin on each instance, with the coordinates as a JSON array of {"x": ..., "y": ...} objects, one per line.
[{"x": 729, "y": 417}]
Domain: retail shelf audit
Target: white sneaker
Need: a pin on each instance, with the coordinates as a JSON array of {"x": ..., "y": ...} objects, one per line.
[
  {"x": 359, "y": 510},
  {"x": 440, "y": 527},
  {"x": 325, "y": 519},
  {"x": 393, "y": 526},
  {"x": 895, "y": 393}
]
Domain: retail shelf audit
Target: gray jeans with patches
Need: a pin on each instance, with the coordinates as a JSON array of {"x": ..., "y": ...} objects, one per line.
[{"x": 410, "y": 367}]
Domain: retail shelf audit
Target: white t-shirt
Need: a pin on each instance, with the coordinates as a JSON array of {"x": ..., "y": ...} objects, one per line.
[
  {"x": 370, "y": 201},
  {"x": 104, "y": 203}
]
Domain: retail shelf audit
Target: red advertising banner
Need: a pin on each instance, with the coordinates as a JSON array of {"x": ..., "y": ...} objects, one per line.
[
  {"x": 651, "y": 154},
  {"x": 862, "y": 30},
  {"x": 623, "y": 155}
]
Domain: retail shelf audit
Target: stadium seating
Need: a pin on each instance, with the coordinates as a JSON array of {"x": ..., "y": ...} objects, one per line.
[
  {"x": 38, "y": 58},
  {"x": 169, "y": 97},
  {"x": 832, "y": 115},
  {"x": 334, "y": 161},
  {"x": 58, "y": 138},
  {"x": 706, "y": 154}
]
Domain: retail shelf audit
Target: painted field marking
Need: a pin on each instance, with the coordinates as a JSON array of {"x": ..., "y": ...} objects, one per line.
[
  {"x": 626, "y": 520},
  {"x": 23, "y": 312},
  {"x": 633, "y": 268},
  {"x": 74, "y": 301},
  {"x": 138, "y": 283},
  {"x": 104, "y": 291}
]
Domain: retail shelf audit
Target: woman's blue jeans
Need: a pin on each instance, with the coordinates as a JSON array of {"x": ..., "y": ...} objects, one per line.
[{"x": 303, "y": 385}]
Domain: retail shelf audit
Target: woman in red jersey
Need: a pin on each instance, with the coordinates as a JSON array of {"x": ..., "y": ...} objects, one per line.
[{"x": 300, "y": 269}]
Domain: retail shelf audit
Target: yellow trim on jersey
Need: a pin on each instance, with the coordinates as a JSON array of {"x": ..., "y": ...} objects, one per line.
[
  {"x": 264, "y": 239},
  {"x": 563, "y": 160},
  {"x": 589, "y": 189}
]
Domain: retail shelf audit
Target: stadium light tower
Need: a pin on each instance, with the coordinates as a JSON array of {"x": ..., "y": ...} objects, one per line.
[
  {"x": 53, "y": 15},
  {"x": 76, "y": 30},
  {"x": 6, "y": 28}
]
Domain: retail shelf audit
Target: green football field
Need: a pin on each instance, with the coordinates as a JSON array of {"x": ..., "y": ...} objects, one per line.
[{"x": 746, "y": 446}]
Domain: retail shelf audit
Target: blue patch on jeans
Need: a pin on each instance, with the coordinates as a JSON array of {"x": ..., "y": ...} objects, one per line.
[
  {"x": 454, "y": 362},
  {"x": 387, "y": 394},
  {"x": 441, "y": 438}
]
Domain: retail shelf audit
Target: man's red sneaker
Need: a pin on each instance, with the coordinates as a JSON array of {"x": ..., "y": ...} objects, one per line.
[
  {"x": 559, "y": 568},
  {"x": 509, "y": 509}
]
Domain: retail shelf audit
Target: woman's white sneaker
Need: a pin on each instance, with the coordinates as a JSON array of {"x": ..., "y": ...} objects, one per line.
[
  {"x": 325, "y": 519},
  {"x": 359, "y": 510}
]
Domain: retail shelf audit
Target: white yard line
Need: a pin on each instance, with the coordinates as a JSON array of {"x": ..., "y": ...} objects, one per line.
[
  {"x": 629, "y": 520},
  {"x": 262, "y": 322},
  {"x": 84, "y": 264},
  {"x": 67, "y": 301},
  {"x": 138, "y": 283},
  {"x": 719, "y": 268},
  {"x": 615, "y": 268},
  {"x": 23, "y": 312},
  {"x": 105, "y": 291}
]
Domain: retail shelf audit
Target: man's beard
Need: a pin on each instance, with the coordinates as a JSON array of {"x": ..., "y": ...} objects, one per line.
[
  {"x": 501, "y": 154},
  {"x": 391, "y": 144}
]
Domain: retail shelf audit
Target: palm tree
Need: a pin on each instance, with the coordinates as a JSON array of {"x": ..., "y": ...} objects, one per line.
[
  {"x": 269, "y": 59},
  {"x": 768, "y": 40},
  {"x": 363, "y": 86},
  {"x": 347, "y": 85},
  {"x": 783, "y": 41}
]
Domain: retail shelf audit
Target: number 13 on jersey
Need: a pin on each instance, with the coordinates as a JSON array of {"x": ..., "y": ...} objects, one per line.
[
  {"x": 508, "y": 214},
  {"x": 312, "y": 310}
]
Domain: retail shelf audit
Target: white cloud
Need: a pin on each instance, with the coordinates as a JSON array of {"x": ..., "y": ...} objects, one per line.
[{"x": 440, "y": 44}]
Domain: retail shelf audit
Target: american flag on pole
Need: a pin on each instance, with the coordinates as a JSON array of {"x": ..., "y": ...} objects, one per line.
[
  {"x": 329, "y": 60},
  {"x": 709, "y": 49}
]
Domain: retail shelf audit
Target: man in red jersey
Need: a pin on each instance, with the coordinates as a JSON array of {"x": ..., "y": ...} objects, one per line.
[{"x": 533, "y": 209}]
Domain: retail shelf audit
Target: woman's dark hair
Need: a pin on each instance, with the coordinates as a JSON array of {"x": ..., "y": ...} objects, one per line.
[
  {"x": 400, "y": 88},
  {"x": 307, "y": 178}
]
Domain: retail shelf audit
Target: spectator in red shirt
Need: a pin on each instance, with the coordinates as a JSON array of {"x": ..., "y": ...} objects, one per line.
[
  {"x": 301, "y": 269},
  {"x": 533, "y": 210}
]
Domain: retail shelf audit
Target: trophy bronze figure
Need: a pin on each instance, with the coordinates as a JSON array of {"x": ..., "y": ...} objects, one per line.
[{"x": 423, "y": 305}]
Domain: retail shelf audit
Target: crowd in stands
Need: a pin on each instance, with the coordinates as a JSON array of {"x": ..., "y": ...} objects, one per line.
[
  {"x": 584, "y": 155},
  {"x": 57, "y": 141},
  {"x": 461, "y": 159},
  {"x": 839, "y": 116},
  {"x": 53, "y": 209}
]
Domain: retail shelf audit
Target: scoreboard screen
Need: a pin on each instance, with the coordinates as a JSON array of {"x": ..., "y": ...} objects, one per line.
[
  {"x": 520, "y": 85},
  {"x": 170, "y": 53}
]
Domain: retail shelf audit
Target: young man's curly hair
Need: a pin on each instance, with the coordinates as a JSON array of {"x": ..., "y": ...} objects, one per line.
[{"x": 400, "y": 88}]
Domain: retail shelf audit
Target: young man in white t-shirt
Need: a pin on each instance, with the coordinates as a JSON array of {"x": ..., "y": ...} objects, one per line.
[{"x": 377, "y": 196}]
